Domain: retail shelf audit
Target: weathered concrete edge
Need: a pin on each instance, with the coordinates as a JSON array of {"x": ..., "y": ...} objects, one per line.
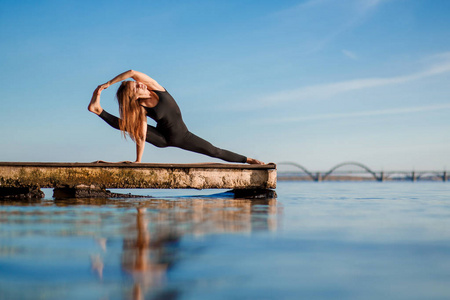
[
  {"x": 131, "y": 177},
  {"x": 136, "y": 166}
]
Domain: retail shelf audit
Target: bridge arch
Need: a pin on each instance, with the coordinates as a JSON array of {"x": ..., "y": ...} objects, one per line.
[
  {"x": 433, "y": 175},
  {"x": 395, "y": 174},
  {"x": 351, "y": 163},
  {"x": 300, "y": 167}
]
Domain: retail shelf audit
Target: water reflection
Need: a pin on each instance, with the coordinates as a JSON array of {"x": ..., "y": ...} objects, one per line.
[
  {"x": 150, "y": 232},
  {"x": 146, "y": 257},
  {"x": 151, "y": 249}
]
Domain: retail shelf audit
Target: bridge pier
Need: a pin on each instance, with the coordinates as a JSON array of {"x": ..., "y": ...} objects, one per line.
[
  {"x": 444, "y": 176},
  {"x": 413, "y": 176},
  {"x": 318, "y": 177}
]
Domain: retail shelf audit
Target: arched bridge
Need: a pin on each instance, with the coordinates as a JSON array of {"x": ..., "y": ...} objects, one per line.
[
  {"x": 379, "y": 176},
  {"x": 351, "y": 163},
  {"x": 300, "y": 167}
]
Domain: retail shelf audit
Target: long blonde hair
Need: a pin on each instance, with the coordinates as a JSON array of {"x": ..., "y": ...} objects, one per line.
[{"x": 132, "y": 115}]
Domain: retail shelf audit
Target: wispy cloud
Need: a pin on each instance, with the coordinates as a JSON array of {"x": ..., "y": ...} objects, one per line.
[
  {"x": 350, "y": 54},
  {"x": 322, "y": 91},
  {"x": 328, "y": 19},
  {"x": 370, "y": 113}
]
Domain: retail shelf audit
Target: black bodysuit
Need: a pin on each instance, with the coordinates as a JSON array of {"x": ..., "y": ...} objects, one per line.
[{"x": 171, "y": 131}]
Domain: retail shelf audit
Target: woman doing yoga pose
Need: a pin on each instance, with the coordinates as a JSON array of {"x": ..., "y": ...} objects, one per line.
[{"x": 145, "y": 97}]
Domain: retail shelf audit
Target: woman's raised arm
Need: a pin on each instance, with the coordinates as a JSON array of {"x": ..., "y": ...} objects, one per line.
[
  {"x": 138, "y": 76},
  {"x": 120, "y": 77}
]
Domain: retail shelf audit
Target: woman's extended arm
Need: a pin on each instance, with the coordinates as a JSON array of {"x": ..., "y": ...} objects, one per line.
[
  {"x": 120, "y": 77},
  {"x": 140, "y": 144},
  {"x": 138, "y": 76}
]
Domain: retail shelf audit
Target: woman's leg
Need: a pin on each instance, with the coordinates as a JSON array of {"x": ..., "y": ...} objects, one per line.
[
  {"x": 113, "y": 121},
  {"x": 154, "y": 137},
  {"x": 196, "y": 144}
]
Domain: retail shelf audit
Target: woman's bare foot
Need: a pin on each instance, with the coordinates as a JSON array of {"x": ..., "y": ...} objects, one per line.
[
  {"x": 253, "y": 161},
  {"x": 94, "y": 105}
]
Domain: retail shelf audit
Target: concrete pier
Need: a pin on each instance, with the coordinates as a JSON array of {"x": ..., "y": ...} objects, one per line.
[{"x": 15, "y": 175}]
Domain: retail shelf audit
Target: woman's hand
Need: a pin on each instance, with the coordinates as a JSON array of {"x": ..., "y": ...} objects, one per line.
[
  {"x": 105, "y": 85},
  {"x": 98, "y": 90}
]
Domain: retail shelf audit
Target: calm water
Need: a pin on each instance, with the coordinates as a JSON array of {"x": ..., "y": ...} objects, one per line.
[{"x": 315, "y": 241}]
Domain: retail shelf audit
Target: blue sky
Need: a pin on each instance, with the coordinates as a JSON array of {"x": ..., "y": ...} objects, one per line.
[{"x": 316, "y": 82}]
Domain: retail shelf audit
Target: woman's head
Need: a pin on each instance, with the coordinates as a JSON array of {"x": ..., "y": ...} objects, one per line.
[
  {"x": 132, "y": 114},
  {"x": 132, "y": 90}
]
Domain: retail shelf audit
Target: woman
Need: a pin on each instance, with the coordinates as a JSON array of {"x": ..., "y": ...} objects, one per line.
[{"x": 145, "y": 97}]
